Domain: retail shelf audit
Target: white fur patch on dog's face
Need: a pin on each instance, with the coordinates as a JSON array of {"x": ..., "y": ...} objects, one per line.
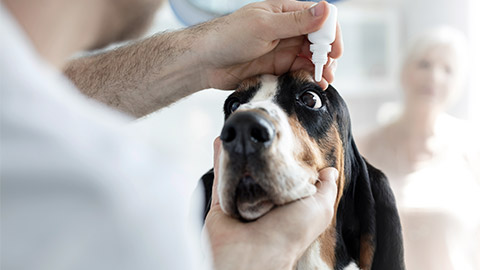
[{"x": 281, "y": 175}]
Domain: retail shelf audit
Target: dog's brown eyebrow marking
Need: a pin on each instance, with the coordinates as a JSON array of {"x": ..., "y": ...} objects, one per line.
[
  {"x": 252, "y": 82},
  {"x": 303, "y": 76}
]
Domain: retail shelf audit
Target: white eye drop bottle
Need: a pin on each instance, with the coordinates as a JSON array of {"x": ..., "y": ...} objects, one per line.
[{"x": 321, "y": 41}]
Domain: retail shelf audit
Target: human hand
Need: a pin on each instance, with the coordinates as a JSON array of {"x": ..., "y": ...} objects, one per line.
[
  {"x": 276, "y": 240},
  {"x": 264, "y": 38}
]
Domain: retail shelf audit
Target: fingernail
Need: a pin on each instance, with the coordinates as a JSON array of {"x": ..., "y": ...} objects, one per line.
[
  {"x": 332, "y": 175},
  {"x": 317, "y": 10},
  {"x": 329, "y": 174},
  {"x": 333, "y": 66},
  {"x": 335, "y": 175}
]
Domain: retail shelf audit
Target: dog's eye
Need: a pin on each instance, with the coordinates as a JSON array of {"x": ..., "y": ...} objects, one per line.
[
  {"x": 234, "y": 104},
  {"x": 311, "y": 99}
]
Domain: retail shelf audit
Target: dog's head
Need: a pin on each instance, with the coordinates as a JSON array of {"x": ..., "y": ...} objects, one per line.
[{"x": 279, "y": 133}]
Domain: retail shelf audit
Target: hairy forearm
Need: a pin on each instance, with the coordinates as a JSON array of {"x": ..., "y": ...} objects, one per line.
[{"x": 144, "y": 76}]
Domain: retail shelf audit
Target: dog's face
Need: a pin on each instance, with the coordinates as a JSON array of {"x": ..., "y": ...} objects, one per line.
[{"x": 278, "y": 134}]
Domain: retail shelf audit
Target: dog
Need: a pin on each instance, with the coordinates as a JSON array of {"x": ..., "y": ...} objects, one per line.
[{"x": 279, "y": 132}]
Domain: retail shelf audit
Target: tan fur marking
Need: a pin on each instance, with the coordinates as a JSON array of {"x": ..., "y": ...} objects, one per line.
[
  {"x": 249, "y": 83},
  {"x": 367, "y": 250},
  {"x": 331, "y": 141},
  {"x": 312, "y": 155},
  {"x": 328, "y": 241},
  {"x": 333, "y": 133},
  {"x": 309, "y": 154},
  {"x": 303, "y": 75}
]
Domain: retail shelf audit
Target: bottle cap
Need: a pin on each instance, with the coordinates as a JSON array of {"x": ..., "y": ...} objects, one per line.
[{"x": 321, "y": 41}]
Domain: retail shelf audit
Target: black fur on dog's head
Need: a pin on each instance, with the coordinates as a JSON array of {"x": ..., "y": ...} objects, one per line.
[{"x": 279, "y": 133}]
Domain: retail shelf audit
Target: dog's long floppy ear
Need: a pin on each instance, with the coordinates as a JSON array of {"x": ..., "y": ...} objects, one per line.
[
  {"x": 381, "y": 245},
  {"x": 368, "y": 224},
  {"x": 389, "y": 253}
]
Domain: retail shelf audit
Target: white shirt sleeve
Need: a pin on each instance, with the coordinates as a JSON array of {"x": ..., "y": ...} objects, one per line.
[{"x": 75, "y": 192}]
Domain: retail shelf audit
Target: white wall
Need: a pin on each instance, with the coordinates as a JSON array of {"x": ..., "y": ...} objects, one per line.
[
  {"x": 415, "y": 17},
  {"x": 185, "y": 131},
  {"x": 419, "y": 16},
  {"x": 474, "y": 34}
]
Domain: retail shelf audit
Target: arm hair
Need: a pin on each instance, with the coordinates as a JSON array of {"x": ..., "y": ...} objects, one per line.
[{"x": 143, "y": 76}]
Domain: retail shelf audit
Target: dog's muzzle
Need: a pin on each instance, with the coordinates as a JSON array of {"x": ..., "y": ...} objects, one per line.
[{"x": 245, "y": 136}]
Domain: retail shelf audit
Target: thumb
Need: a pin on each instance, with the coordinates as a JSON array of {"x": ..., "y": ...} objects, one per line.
[
  {"x": 300, "y": 22},
  {"x": 216, "y": 157},
  {"x": 326, "y": 186}
]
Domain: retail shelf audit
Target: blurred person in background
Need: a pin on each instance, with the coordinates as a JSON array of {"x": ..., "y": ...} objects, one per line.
[{"x": 431, "y": 158}]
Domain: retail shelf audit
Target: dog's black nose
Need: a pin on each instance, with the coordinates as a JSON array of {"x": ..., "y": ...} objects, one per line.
[{"x": 247, "y": 133}]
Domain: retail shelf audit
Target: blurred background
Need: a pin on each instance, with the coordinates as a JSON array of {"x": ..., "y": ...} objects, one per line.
[
  {"x": 434, "y": 170},
  {"x": 375, "y": 34}
]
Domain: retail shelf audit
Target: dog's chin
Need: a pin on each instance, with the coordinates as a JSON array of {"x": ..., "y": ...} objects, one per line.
[{"x": 253, "y": 210}]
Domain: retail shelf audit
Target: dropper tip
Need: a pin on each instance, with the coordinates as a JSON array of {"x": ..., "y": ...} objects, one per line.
[{"x": 318, "y": 72}]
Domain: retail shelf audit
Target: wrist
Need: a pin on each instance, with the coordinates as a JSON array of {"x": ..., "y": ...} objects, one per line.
[
  {"x": 207, "y": 51},
  {"x": 250, "y": 251},
  {"x": 217, "y": 50},
  {"x": 247, "y": 259},
  {"x": 187, "y": 67}
]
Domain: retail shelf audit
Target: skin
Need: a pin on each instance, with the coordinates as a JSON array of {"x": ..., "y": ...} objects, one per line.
[
  {"x": 269, "y": 38},
  {"x": 281, "y": 236},
  {"x": 266, "y": 37},
  {"x": 431, "y": 81}
]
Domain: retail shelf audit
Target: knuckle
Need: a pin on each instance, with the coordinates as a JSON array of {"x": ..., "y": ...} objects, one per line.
[
  {"x": 297, "y": 18},
  {"x": 304, "y": 25},
  {"x": 329, "y": 212},
  {"x": 261, "y": 22},
  {"x": 262, "y": 25}
]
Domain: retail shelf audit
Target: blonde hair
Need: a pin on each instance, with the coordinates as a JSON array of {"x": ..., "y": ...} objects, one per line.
[{"x": 440, "y": 36}]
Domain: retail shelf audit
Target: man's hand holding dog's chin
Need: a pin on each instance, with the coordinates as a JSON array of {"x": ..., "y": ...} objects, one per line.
[
  {"x": 264, "y": 38},
  {"x": 276, "y": 240}
]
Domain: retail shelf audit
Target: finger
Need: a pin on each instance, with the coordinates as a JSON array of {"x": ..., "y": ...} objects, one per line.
[
  {"x": 290, "y": 42},
  {"x": 333, "y": 66},
  {"x": 305, "y": 219},
  {"x": 305, "y": 50},
  {"x": 290, "y": 6},
  {"x": 337, "y": 45},
  {"x": 281, "y": 59},
  {"x": 329, "y": 70},
  {"x": 302, "y": 63},
  {"x": 325, "y": 195},
  {"x": 323, "y": 84},
  {"x": 217, "y": 145},
  {"x": 300, "y": 22},
  {"x": 327, "y": 184}
]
